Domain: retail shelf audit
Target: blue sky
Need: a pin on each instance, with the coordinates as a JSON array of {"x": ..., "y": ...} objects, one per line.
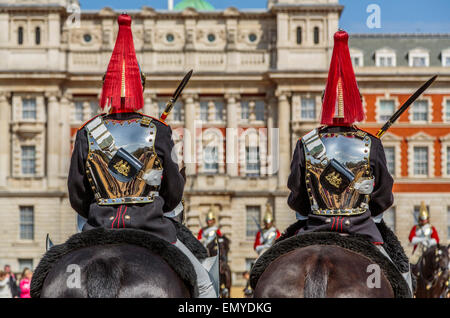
[{"x": 411, "y": 16}]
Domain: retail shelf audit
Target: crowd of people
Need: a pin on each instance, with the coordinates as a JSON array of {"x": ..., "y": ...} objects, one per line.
[{"x": 9, "y": 285}]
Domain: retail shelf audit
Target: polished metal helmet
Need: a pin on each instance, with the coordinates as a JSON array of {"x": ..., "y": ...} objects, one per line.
[
  {"x": 423, "y": 214},
  {"x": 268, "y": 216}
]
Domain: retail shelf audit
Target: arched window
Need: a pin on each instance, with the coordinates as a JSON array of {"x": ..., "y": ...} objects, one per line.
[
  {"x": 20, "y": 35},
  {"x": 38, "y": 35},
  {"x": 299, "y": 35},
  {"x": 316, "y": 35}
]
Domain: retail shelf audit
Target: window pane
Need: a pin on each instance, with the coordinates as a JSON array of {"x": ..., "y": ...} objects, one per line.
[
  {"x": 447, "y": 110},
  {"x": 20, "y": 35},
  {"x": 26, "y": 222},
  {"x": 447, "y": 61},
  {"x": 29, "y": 108},
  {"x": 253, "y": 216},
  {"x": 420, "y": 110},
  {"x": 38, "y": 35},
  {"x": 356, "y": 60},
  {"x": 448, "y": 160},
  {"x": 421, "y": 161},
  {"x": 219, "y": 110},
  {"x": 316, "y": 35},
  {"x": 419, "y": 61},
  {"x": 252, "y": 161},
  {"x": 211, "y": 159},
  {"x": 389, "y": 218},
  {"x": 204, "y": 111},
  {"x": 28, "y": 159},
  {"x": 390, "y": 159},
  {"x": 25, "y": 263},
  {"x": 259, "y": 110},
  {"x": 244, "y": 110},
  {"x": 387, "y": 108},
  {"x": 177, "y": 111},
  {"x": 308, "y": 108},
  {"x": 79, "y": 116},
  {"x": 299, "y": 35},
  {"x": 94, "y": 108}
]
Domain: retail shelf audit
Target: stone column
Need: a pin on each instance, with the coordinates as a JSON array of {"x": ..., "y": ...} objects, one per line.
[
  {"x": 64, "y": 125},
  {"x": 5, "y": 138},
  {"x": 53, "y": 140},
  {"x": 284, "y": 118},
  {"x": 232, "y": 150},
  {"x": 272, "y": 144},
  {"x": 189, "y": 150}
]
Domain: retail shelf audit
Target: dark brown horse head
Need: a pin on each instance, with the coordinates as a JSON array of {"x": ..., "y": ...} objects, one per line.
[{"x": 432, "y": 272}]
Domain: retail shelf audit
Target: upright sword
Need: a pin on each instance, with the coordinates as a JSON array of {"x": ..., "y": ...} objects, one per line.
[
  {"x": 175, "y": 96},
  {"x": 405, "y": 106}
]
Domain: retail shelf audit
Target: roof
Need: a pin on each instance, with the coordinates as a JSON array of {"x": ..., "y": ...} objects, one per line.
[{"x": 368, "y": 44}]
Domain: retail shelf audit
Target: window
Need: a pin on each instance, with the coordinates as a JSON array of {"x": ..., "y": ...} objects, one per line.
[
  {"x": 448, "y": 160},
  {"x": 28, "y": 160},
  {"x": 308, "y": 108},
  {"x": 390, "y": 159},
  {"x": 259, "y": 110},
  {"x": 299, "y": 35},
  {"x": 316, "y": 35},
  {"x": 38, "y": 35},
  {"x": 245, "y": 112},
  {"x": 356, "y": 61},
  {"x": 419, "y": 61},
  {"x": 389, "y": 218},
  {"x": 219, "y": 106},
  {"x": 253, "y": 216},
  {"x": 161, "y": 107},
  {"x": 447, "y": 61},
  {"x": 26, "y": 223},
  {"x": 252, "y": 161},
  {"x": 25, "y": 263},
  {"x": 420, "y": 110},
  {"x": 447, "y": 111},
  {"x": 211, "y": 159},
  {"x": 386, "y": 61},
  {"x": 204, "y": 110},
  {"x": 29, "y": 108},
  {"x": 94, "y": 108},
  {"x": 417, "y": 211},
  {"x": 387, "y": 108},
  {"x": 79, "y": 111},
  {"x": 177, "y": 111},
  {"x": 385, "y": 57},
  {"x": 421, "y": 161},
  {"x": 419, "y": 58},
  {"x": 448, "y": 222},
  {"x": 20, "y": 35}
]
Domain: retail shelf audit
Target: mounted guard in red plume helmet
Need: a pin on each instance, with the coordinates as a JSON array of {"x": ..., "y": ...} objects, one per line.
[
  {"x": 123, "y": 83},
  {"x": 342, "y": 103}
]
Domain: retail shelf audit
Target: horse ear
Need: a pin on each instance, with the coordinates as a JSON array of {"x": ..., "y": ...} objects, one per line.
[{"x": 183, "y": 173}]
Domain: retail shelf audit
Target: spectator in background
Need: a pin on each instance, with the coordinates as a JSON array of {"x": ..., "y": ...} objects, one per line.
[
  {"x": 15, "y": 292},
  {"x": 25, "y": 282},
  {"x": 5, "y": 291}
]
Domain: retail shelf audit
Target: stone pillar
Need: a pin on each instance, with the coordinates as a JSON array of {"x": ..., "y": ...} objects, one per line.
[
  {"x": 272, "y": 136},
  {"x": 189, "y": 154},
  {"x": 284, "y": 118},
  {"x": 232, "y": 150},
  {"x": 5, "y": 139},
  {"x": 53, "y": 140},
  {"x": 64, "y": 124}
]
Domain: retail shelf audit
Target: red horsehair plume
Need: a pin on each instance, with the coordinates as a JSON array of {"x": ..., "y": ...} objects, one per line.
[
  {"x": 122, "y": 87},
  {"x": 341, "y": 90}
]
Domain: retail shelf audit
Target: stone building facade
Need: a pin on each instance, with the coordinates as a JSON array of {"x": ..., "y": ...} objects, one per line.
[{"x": 259, "y": 76}]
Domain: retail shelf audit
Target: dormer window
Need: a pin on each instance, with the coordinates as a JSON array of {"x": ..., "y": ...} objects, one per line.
[
  {"x": 446, "y": 57},
  {"x": 357, "y": 58},
  {"x": 385, "y": 58},
  {"x": 419, "y": 58}
]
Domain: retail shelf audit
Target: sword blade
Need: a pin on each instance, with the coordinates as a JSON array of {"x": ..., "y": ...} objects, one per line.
[
  {"x": 175, "y": 95},
  {"x": 405, "y": 106}
]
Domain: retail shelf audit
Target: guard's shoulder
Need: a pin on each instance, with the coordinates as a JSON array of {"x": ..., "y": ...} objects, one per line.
[
  {"x": 82, "y": 126},
  {"x": 366, "y": 132},
  {"x": 155, "y": 119}
]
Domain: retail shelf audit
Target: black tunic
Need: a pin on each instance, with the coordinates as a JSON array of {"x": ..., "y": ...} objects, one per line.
[
  {"x": 380, "y": 199},
  {"x": 148, "y": 217}
]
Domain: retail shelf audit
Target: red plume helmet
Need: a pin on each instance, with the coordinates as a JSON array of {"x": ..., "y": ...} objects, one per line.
[
  {"x": 342, "y": 101},
  {"x": 122, "y": 86}
]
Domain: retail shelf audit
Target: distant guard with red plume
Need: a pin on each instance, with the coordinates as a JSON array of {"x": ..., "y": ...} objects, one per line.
[
  {"x": 339, "y": 180},
  {"x": 122, "y": 174}
]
